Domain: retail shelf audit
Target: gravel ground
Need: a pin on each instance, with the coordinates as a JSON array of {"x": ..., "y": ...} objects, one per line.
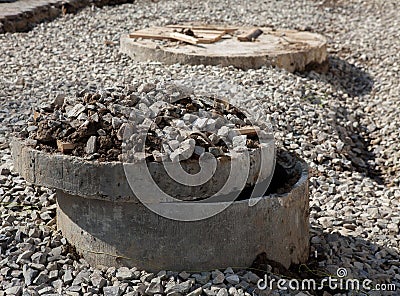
[{"x": 345, "y": 123}]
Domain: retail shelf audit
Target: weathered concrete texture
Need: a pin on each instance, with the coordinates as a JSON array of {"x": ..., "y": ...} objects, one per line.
[
  {"x": 288, "y": 49},
  {"x": 127, "y": 233},
  {"x": 109, "y": 230},
  {"x": 22, "y": 15},
  {"x": 113, "y": 180}
]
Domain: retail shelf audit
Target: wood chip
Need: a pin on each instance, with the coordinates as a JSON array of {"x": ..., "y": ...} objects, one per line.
[
  {"x": 248, "y": 130},
  {"x": 36, "y": 115},
  {"x": 250, "y": 36},
  {"x": 165, "y": 35},
  {"x": 109, "y": 42},
  {"x": 64, "y": 147}
]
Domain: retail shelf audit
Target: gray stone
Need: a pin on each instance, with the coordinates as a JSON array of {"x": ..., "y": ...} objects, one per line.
[
  {"x": 252, "y": 277},
  {"x": 76, "y": 110},
  {"x": 201, "y": 278},
  {"x": 116, "y": 122},
  {"x": 112, "y": 291},
  {"x": 146, "y": 277},
  {"x": 184, "y": 275},
  {"x": 67, "y": 277},
  {"x": 216, "y": 151},
  {"x": 124, "y": 274},
  {"x": 222, "y": 292},
  {"x": 198, "y": 150},
  {"x": 200, "y": 123},
  {"x": 58, "y": 101},
  {"x": 155, "y": 287},
  {"x": 224, "y": 132},
  {"x": 196, "y": 292},
  {"x": 32, "y": 128},
  {"x": 91, "y": 146},
  {"x": 39, "y": 257},
  {"x": 53, "y": 274},
  {"x": 218, "y": 277},
  {"x": 181, "y": 288},
  {"x": 98, "y": 280},
  {"x": 81, "y": 277},
  {"x": 37, "y": 266},
  {"x": 102, "y": 132},
  {"x": 46, "y": 291},
  {"x": 243, "y": 284},
  {"x": 15, "y": 291},
  {"x": 173, "y": 144},
  {"x": 24, "y": 255},
  {"x": 229, "y": 270},
  {"x": 74, "y": 289},
  {"x": 239, "y": 141},
  {"x": 185, "y": 151},
  {"x": 233, "y": 279},
  {"x": 42, "y": 278}
]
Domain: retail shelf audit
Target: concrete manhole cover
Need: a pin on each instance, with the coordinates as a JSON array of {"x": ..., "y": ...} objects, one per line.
[{"x": 241, "y": 47}]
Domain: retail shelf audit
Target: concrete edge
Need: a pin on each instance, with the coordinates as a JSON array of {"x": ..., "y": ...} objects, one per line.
[{"x": 107, "y": 180}]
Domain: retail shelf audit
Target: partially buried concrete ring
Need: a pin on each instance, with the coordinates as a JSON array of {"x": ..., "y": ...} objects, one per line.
[{"x": 110, "y": 230}]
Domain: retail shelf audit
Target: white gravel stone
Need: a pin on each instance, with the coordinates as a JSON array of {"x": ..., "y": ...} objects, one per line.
[
  {"x": 200, "y": 123},
  {"x": 233, "y": 279},
  {"x": 76, "y": 110},
  {"x": 239, "y": 141},
  {"x": 185, "y": 151}
]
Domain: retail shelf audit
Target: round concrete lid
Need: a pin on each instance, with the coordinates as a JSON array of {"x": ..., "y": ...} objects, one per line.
[{"x": 289, "y": 49}]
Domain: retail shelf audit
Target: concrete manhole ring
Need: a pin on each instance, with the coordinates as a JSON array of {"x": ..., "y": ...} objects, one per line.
[
  {"x": 288, "y": 49},
  {"x": 111, "y": 230}
]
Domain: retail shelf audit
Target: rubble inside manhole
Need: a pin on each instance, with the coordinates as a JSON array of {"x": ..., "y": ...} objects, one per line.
[{"x": 178, "y": 124}]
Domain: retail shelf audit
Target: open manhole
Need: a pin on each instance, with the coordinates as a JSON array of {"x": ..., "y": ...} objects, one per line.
[
  {"x": 114, "y": 215},
  {"x": 241, "y": 47}
]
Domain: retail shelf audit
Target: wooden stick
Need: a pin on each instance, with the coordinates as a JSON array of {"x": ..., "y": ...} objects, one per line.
[
  {"x": 163, "y": 36},
  {"x": 211, "y": 40},
  {"x": 204, "y": 27},
  {"x": 184, "y": 38},
  {"x": 250, "y": 36},
  {"x": 149, "y": 36},
  {"x": 214, "y": 32}
]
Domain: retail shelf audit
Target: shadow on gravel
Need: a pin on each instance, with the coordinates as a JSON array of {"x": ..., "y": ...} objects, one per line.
[
  {"x": 357, "y": 144},
  {"x": 343, "y": 76},
  {"x": 343, "y": 250},
  {"x": 354, "y": 82}
]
